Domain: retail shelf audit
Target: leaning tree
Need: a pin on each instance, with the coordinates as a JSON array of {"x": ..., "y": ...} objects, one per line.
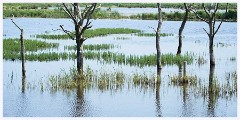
[
  {"x": 210, "y": 19},
  {"x": 81, "y": 20},
  {"x": 187, "y": 10}
]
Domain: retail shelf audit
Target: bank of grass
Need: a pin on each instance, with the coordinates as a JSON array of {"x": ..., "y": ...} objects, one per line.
[
  {"x": 128, "y": 5},
  {"x": 103, "y": 14},
  {"x": 177, "y": 16},
  {"x": 92, "y": 33}
]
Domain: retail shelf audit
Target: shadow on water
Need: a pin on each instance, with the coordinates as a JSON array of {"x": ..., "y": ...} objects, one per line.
[{"x": 211, "y": 98}]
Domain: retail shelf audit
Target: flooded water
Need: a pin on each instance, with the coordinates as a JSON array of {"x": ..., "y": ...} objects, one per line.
[{"x": 24, "y": 98}]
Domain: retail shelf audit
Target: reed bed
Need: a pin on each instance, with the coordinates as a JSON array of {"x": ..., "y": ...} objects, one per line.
[
  {"x": 91, "y": 33},
  {"x": 14, "y": 45},
  {"x": 107, "y": 57}
]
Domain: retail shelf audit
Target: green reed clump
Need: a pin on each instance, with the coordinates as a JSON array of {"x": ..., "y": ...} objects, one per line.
[
  {"x": 92, "y": 47},
  {"x": 181, "y": 80},
  {"x": 89, "y": 78},
  {"x": 92, "y": 33}
]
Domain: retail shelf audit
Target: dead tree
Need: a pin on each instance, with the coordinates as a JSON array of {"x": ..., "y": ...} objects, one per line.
[
  {"x": 210, "y": 19},
  {"x": 187, "y": 10},
  {"x": 22, "y": 49},
  {"x": 78, "y": 17},
  {"x": 158, "y": 33}
]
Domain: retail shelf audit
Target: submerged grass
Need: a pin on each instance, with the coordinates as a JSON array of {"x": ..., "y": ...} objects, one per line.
[
  {"x": 91, "y": 47},
  {"x": 153, "y": 34},
  {"x": 92, "y": 33}
]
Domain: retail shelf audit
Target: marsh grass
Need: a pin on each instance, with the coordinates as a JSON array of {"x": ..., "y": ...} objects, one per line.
[
  {"x": 14, "y": 45},
  {"x": 177, "y": 80},
  {"x": 89, "y": 79},
  {"x": 91, "y": 33},
  {"x": 106, "y": 57}
]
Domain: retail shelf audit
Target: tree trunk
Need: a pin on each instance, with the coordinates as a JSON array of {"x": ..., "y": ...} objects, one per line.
[
  {"x": 22, "y": 54},
  {"x": 159, "y": 66},
  {"x": 211, "y": 53},
  {"x": 181, "y": 30},
  {"x": 79, "y": 57}
]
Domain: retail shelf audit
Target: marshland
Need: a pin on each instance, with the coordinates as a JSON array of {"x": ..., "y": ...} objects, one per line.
[{"x": 119, "y": 76}]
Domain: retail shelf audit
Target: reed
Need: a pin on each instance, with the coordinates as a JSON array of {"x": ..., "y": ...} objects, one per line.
[
  {"x": 92, "y": 33},
  {"x": 30, "y": 45}
]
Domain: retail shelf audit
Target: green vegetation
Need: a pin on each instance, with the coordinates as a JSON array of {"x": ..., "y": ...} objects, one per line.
[
  {"x": 181, "y": 80},
  {"x": 128, "y": 5},
  {"x": 102, "y": 80},
  {"x": 164, "y": 5},
  {"x": 92, "y": 33},
  {"x": 42, "y": 13},
  {"x": 176, "y": 16},
  {"x": 107, "y": 57},
  {"x": 40, "y": 10},
  {"x": 14, "y": 45}
]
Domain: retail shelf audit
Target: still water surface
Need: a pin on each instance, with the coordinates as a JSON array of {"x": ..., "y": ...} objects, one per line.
[{"x": 162, "y": 100}]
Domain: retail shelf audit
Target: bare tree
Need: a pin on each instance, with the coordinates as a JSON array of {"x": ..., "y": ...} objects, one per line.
[
  {"x": 210, "y": 19},
  {"x": 22, "y": 49},
  {"x": 158, "y": 33},
  {"x": 78, "y": 17},
  {"x": 187, "y": 10}
]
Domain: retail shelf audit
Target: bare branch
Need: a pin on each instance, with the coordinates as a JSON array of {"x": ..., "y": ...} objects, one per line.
[
  {"x": 214, "y": 17},
  {"x": 16, "y": 25},
  {"x": 69, "y": 13},
  {"x": 152, "y": 28},
  {"x": 67, "y": 32},
  {"x": 221, "y": 20},
  {"x": 199, "y": 16},
  {"x": 206, "y": 31},
  {"x": 208, "y": 14}
]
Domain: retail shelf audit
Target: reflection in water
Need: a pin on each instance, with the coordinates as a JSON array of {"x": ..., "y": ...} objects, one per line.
[
  {"x": 157, "y": 100},
  {"x": 185, "y": 96},
  {"x": 12, "y": 77},
  {"x": 23, "y": 84},
  {"x": 211, "y": 99},
  {"x": 79, "y": 107}
]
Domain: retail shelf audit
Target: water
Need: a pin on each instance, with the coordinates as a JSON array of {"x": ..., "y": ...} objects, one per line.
[{"x": 165, "y": 100}]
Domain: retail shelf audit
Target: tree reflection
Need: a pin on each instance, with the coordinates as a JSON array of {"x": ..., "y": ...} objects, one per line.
[
  {"x": 79, "y": 107},
  {"x": 211, "y": 99},
  {"x": 157, "y": 99},
  {"x": 23, "y": 84}
]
